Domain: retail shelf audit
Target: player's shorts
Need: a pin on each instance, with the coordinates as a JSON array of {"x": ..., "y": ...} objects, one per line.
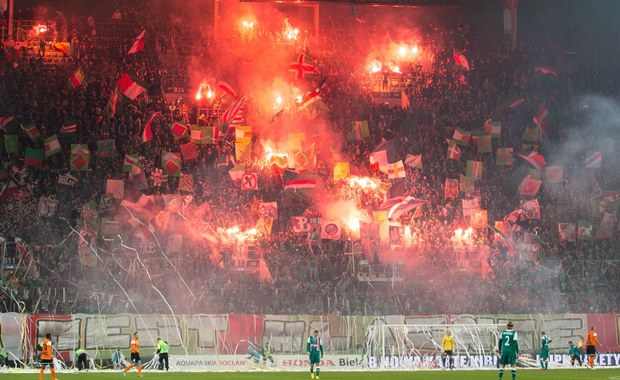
[
  {"x": 315, "y": 358},
  {"x": 448, "y": 352},
  {"x": 544, "y": 353},
  {"x": 135, "y": 358},
  {"x": 47, "y": 363},
  {"x": 508, "y": 359},
  {"x": 591, "y": 350}
]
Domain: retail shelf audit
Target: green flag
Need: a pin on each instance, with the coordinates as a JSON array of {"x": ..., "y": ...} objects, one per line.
[
  {"x": 80, "y": 158},
  {"x": 474, "y": 169},
  {"x": 33, "y": 132},
  {"x": 52, "y": 145},
  {"x": 484, "y": 144},
  {"x": 531, "y": 134},
  {"x": 34, "y": 157},
  {"x": 105, "y": 148},
  {"x": 10, "y": 144},
  {"x": 359, "y": 130},
  {"x": 171, "y": 163},
  {"x": 131, "y": 161},
  {"x": 503, "y": 157}
]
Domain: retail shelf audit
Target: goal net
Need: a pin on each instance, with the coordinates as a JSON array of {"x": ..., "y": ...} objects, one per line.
[{"x": 420, "y": 346}]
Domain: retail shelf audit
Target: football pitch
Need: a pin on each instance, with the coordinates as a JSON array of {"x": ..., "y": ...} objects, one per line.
[{"x": 522, "y": 374}]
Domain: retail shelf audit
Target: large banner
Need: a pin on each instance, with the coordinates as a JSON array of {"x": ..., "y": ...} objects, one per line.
[{"x": 224, "y": 341}]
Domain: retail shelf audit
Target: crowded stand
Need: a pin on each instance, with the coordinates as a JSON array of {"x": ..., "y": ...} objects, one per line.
[{"x": 147, "y": 171}]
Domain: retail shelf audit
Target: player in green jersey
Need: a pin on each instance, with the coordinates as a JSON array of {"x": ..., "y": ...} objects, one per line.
[
  {"x": 314, "y": 347},
  {"x": 509, "y": 348},
  {"x": 544, "y": 350}
]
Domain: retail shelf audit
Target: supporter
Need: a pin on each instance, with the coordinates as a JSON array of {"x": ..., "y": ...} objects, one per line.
[{"x": 442, "y": 98}]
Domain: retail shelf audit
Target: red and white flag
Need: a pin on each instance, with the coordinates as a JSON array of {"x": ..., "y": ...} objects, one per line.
[
  {"x": 147, "y": 134},
  {"x": 129, "y": 87},
  {"x": 536, "y": 159},
  {"x": 546, "y": 70},
  {"x": 460, "y": 60},
  {"x": 309, "y": 98},
  {"x": 234, "y": 113},
  {"x": 541, "y": 115},
  {"x": 138, "y": 43},
  {"x": 514, "y": 216},
  {"x": 226, "y": 88},
  {"x": 301, "y": 68}
]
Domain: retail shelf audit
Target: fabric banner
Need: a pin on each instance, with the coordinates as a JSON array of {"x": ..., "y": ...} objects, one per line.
[{"x": 219, "y": 341}]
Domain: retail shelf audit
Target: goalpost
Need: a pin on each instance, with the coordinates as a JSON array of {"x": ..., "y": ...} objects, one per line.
[{"x": 420, "y": 346}]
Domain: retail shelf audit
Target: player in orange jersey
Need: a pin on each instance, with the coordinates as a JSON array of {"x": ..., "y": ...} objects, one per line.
[{"x": 135, "y": 356}]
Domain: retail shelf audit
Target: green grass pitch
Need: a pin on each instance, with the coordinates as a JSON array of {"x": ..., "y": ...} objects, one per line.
[{"x": 522, "y": 374}]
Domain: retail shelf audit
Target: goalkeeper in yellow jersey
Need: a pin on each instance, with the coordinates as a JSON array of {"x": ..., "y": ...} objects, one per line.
[{"x": 447, "y": 345}]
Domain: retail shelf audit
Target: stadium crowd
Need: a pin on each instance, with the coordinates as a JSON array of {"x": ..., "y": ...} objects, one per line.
[{"x": 526, "y": 269}]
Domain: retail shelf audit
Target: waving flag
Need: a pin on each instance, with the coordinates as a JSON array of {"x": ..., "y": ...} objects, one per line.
[
  {"x": 529, "y": 187},
  {"x": 396, "y": 170},
  {"x": 77, "y": 79},
  {"x": 63, "y": 47},
  {"x": 514, "y": 216},
  {"x": 308, "y": 99},
  {"x": 138, "y": 43},
  {"x": 302, "y": 181},
  {"x": 129, "y": 87},
  {"x": 237, "y": 172},
  {"x": 147, "y": 134},
  {"x": 360, "y": 130},
  {"x": 383, "y": 154},
  {"x": 503, "y": 157},
  {"x": 400, "y": 205},
  {"x": 80, "y": 158},
  {"x": 51, "y": 145},
  {"x": 567, "y": 231},
  {"x": 493, "y": 127},
  {"x": 234, "y": 113},
  {"x": 593, "y": 160},
  {"x": 131, "y": 164},
  {"x": 226, "y": 88},
  {"x": 34, "y": 157},
  {"x": 546, "y": 70},
  {"x": 8, "y": 123},
  {"x": 301, "y": 68},
  {"x": 541, "y": 115},
  {"x": 454, "y": 152},
  {"x": 554, "y": 174},
  {"x": 110, "y": 107},
  {"x": 461, "y": 136},
  {"x": 536, "y": 159},
  {"x": 414, "y": 160},
  {"x": 171, "y": 162},
  {"x": 474, "y": 169},
  {"x": 11, "y": 144},
  {"x": 460, "y": 60},
  {"x": 178, "y": 130},
  {"x": 32, "y": 131}
]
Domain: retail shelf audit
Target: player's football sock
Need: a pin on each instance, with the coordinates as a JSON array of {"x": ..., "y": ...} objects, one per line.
[
  {"x": 41, "y": 373},
  {"x": 318, "y": 372},
  {"x": 501, "y": 373},
  {"x": 53, "y": 371},
  {"x": 513, "y": 372},
  {"x": 546, "y": 364},
  {"x": 128, "y": 368},
  {"x": 139, "y": 371}
]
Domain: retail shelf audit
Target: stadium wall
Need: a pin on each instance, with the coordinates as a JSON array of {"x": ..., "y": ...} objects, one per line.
[{"x": 220, "y": 342}]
